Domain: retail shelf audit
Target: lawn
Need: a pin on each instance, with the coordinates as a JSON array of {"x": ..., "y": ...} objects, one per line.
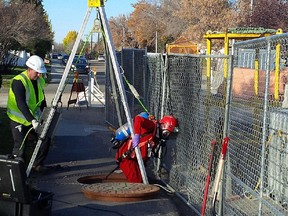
[{"x": 7, "y": 77}]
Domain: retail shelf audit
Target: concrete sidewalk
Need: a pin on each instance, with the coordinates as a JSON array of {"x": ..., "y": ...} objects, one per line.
[{"x": 81, "y": 147}]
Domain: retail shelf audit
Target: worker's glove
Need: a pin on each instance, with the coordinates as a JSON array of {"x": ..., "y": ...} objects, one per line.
[
  {"x": 135, "y": 140},
  {"x": 35, "y": 124}
]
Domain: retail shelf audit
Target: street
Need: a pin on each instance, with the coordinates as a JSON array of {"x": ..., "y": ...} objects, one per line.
[{"x": 57, "y": 70}]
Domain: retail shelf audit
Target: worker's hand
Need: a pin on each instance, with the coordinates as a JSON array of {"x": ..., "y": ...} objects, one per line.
[
  {"x": 35, "y": 124},
  {"x": 135, "y": 140}
]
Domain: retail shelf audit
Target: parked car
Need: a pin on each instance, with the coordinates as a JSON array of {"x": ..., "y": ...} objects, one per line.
[
  {"x": 54, "y": 55},
  {"x": 101, "y": 58},
  {"x": 60, "y": 56},
  {"x": 65, "y": 59},
  {"x": 80, "y": 65}
]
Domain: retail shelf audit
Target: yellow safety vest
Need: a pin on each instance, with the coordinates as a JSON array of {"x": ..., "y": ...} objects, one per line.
[{"x": 13, "y": 111}]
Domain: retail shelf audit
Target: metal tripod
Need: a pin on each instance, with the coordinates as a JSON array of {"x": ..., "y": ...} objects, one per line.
[{"x": 119, "y": 81}]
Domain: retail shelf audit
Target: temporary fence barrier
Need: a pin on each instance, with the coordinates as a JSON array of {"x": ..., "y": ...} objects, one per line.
[{"x": 248, "y": 106}]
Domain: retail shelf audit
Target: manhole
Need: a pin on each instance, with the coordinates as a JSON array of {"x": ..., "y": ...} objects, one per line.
[
  {"x": 120, "y": 191},
  {"x": 103, "y": 178}
]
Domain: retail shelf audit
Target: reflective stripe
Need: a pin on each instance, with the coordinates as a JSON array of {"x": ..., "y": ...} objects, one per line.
[{"x": 17, "y": 114}]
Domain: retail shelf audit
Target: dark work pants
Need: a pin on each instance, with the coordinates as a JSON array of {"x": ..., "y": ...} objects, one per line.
[{"x": 19, "y": 132}]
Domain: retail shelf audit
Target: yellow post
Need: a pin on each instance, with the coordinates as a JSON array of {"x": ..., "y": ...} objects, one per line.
[
  {"x": 208, "y": 69},
  {"x": 277, "y": 68},
  {"x": 226, "y": 52},
  {"x": 95, "y": 3},
  {"x": 256, "y": 73}
]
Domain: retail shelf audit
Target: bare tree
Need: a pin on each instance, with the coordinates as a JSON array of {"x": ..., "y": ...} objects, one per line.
[
  {"x": 122, "y": 37},
  {"x": 23, "y": 26},
  {"x": 270, "y": 14}
]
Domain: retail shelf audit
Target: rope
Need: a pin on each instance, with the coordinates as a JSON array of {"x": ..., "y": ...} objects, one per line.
[{"x": 134, "y": 91}]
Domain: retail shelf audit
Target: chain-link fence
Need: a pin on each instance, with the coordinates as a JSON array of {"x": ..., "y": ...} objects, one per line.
[
  {"x": 247, "y": 105},
  {"x": 256, "y": 174},
  {"x": 187, "y": 94},
  {"x": 133, "y": 67},
  {"x": 177, "y": 84}
]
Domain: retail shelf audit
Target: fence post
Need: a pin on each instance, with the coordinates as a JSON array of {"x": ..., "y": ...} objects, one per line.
[{"x": 265, "y": 118}]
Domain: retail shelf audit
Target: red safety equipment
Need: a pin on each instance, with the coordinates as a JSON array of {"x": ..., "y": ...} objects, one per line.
[
  {"x": 169, "y": 123},
  {"x": 147, "y": 129},
  {"x": 126, "y": 155}
]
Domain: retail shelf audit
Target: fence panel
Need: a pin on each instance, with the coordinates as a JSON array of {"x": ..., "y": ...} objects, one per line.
[
  {"x": 188, "y": 94},
  {"x": 133, "y": 63},
  {"x": 255, "y": 178},
  {"x": 256, "y": 168}
]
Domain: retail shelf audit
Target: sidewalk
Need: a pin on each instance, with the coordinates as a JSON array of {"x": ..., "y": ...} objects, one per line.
[{"x": 82, "y": 148}]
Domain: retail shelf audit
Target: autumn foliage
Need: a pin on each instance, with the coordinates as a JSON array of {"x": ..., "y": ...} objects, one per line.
[{"x": 167, "y": 20}]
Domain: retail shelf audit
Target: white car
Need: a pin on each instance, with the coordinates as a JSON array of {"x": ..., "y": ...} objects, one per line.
[
  {"x": 60, "y": 56},
  {"x": 101, "y": 58}
]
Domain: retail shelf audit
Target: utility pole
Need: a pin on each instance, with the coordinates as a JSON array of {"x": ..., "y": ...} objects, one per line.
[
  {"x": 91, "y": 43},
  {"x": 156, "y": 42},
  {"x": 251, "y": 11},
  {"x": 123, "y": 36}
]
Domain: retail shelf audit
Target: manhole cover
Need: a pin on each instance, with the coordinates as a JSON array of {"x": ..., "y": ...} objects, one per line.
[{"x": 120, "y": 191}]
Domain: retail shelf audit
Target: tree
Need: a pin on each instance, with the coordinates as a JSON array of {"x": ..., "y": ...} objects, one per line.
[
  {"x": 69, "y": 40},
  {"x": 172, "y": 19},
  {"x": 36, "y": 2},
  {"x": 22, "y": 26},
  {"x": 200, "y": 16},
  {"x": 270, "y": 14},
  {"x": 121, "y": 34},
  {"x": 143, "y": 24}
]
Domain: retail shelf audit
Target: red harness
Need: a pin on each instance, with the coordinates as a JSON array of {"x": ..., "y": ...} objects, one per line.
[{"x": 125, "y": 151}]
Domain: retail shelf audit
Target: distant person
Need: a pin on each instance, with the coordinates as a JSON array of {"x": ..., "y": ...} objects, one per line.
[
  {"x": 26, "y": 101},
  {"x": 149, "y": 134}
]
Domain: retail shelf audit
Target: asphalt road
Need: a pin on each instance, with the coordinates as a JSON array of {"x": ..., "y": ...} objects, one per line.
[{"x": 58, "y": 69}]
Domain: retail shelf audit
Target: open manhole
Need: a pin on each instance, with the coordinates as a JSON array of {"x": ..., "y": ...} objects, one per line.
[
  {"x": 103, "y": 178},
  {"x": 120, "y": 191},
  {"x": 115, "y": 188}
]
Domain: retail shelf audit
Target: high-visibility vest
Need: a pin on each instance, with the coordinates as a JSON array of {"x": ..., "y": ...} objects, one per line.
[{"x": 13, "y": 111}]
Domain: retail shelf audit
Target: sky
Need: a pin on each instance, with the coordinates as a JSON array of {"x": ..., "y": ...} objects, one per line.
[{"x": 68, "y": 15}]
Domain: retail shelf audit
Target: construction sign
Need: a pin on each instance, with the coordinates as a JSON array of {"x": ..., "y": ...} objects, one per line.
[{"x": 95, "y": 3}]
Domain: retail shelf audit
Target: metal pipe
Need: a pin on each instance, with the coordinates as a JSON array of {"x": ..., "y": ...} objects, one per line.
[{"x": 264, "y": 129}]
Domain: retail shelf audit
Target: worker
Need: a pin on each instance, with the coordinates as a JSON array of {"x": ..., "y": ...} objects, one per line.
[
  {"x": 26, "y": 101},
  {"x": 149, "y": 134}
]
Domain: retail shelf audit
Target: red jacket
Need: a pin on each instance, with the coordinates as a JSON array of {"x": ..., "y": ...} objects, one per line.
[{"x": 147, "y": 130}]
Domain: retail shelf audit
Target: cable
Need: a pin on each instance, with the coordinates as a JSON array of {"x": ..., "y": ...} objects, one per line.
[
  {"x": 164, "y": 188},
  {"x": 23, "y": 141}
]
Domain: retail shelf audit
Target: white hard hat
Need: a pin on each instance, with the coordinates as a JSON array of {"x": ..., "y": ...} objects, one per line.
[{"x": 36, "y": 63}]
